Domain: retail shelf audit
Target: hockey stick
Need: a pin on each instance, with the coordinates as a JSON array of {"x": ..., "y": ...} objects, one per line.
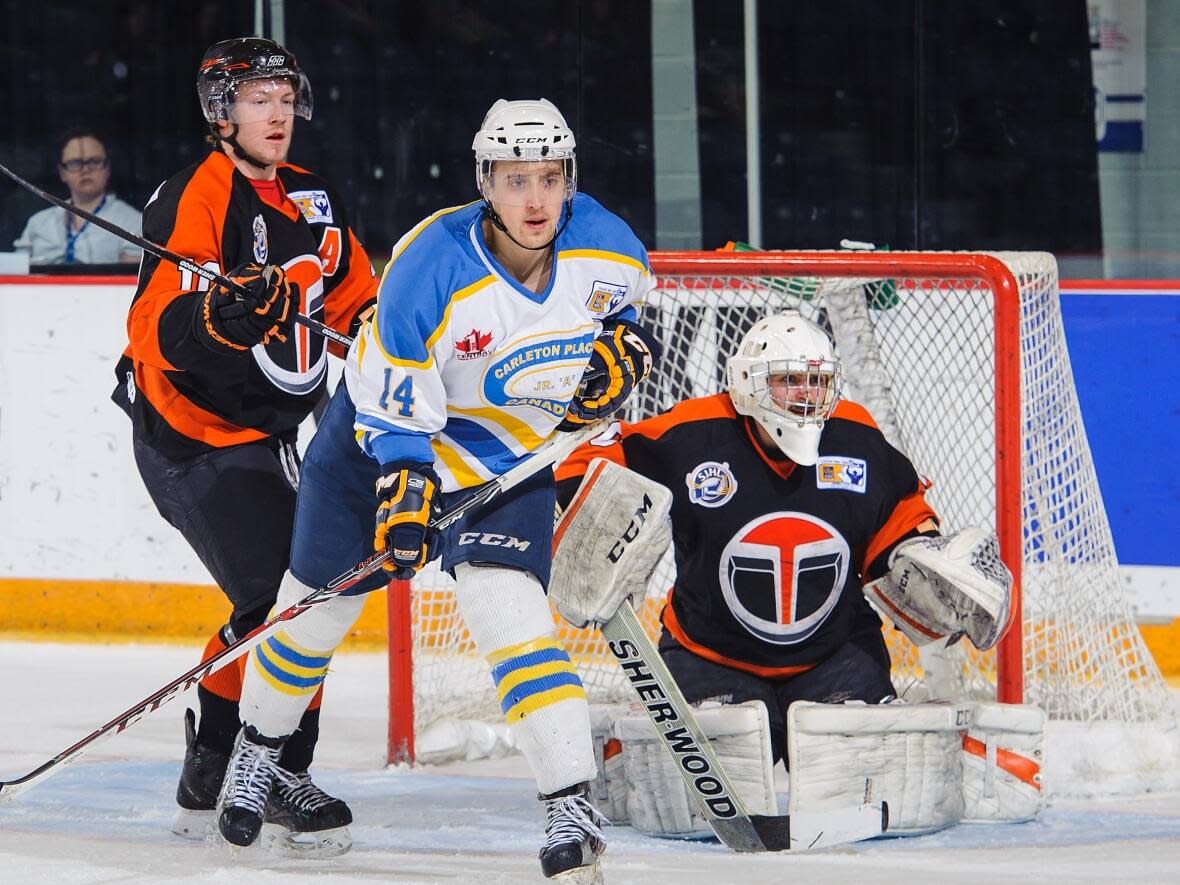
[
  {"x": 179, "y": 260},
  {"x": 543, "y": 458},
  {"x": 703, "y": 773}
]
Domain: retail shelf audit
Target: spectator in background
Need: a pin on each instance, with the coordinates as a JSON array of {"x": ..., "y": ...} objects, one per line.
[{"x": 55, "y": 236}]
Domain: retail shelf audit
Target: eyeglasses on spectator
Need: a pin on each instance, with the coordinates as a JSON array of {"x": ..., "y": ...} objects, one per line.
[{"x": 90, "y": 164}]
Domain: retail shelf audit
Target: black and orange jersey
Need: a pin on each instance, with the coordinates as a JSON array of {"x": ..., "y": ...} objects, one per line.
[
  {"x": 770, "y": 556},
  {"x": 186, "y": 398}
]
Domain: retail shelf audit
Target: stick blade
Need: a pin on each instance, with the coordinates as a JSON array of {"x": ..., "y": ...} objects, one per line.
[
  {"x": 805, "y": 830},
  {"x": 10, "y": 790}
]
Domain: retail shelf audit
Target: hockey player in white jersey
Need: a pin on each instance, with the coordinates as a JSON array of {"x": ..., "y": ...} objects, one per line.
[{"x": 498, "y": 323}]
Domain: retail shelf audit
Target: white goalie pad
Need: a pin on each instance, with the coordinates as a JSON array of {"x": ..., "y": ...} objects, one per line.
[
  {"x": 1003, "y": 756},
  {"x": 935, "y": 764},
  {"x": 658, "y": 802},
  {"x": 908, "y": 755},
  {"x": 946, "y": 586},
  {"x": 608, "y": 542}
]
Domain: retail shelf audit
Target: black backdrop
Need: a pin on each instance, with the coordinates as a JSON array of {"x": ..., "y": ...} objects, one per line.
[{"x": 915, "y": 123}]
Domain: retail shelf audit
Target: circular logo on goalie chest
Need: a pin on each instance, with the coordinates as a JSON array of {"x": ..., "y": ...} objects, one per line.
[
  {"x": 782, "y": 574},
  {"x": 711, "y": 484}
]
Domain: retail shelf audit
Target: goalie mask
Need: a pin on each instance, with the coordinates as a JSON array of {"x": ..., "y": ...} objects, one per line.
[
  {"x": 525, "y": 133},
  {"x": 785, "y": 375}
]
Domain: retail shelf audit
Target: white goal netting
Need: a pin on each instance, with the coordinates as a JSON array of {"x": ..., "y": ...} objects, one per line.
[{"x": 919, "y": 347}]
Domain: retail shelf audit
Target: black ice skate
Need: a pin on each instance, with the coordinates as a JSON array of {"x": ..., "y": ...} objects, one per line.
[
  {"x": 252, "y": 771},
  {"x": 573, "y": 837},
  {"x": 301, "y": 819},
  {"x": 200, "y": 784}
]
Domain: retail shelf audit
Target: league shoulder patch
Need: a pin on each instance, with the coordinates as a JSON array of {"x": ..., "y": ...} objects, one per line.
[
  {"x": 836, "y": 472},
  {"x": 711, "y": 484},
  {"x": 605, "y": 297},
  {"x": 314, "y": 204}
]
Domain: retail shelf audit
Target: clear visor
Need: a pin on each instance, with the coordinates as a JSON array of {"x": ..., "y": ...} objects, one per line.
[
  {"x": 527, "y": 184},
  {"x": 260, "y": 101},
  {"x": 805, "y": 391}
]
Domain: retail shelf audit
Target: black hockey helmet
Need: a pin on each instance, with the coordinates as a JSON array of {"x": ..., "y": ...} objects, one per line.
[{"x": 232, "y": 62}]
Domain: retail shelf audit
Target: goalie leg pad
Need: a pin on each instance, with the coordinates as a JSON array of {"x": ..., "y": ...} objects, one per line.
[
  {"x": 1003, "y": 755},
  {"x": 284, "y": 672},
  {"x": 540, "y": 693},
  {"x": 658, "y": 802},
  {"x": 608, "y": 542},
  {"x": 908, "y": 755}
]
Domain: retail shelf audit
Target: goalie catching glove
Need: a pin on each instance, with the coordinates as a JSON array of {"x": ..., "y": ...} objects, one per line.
[
  {"x": 408, "y": 493},
  {"x": 608, "y": 543},
  {"x": 623, "y": 355},
  {"x": 946, "y": 586},
  {"x": 227, "y": 319}
]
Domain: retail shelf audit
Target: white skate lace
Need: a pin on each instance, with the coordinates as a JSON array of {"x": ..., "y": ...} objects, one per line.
[
  {"x": 303, "y": 794},
  {"x": 571, "y": 819},
  {"x": 253, "y": 770}
]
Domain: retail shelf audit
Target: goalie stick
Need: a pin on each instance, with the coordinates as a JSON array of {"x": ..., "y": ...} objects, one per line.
[
  {"x": 543, "y": 458},
  {"x": 167, "y": 254},
  {"x": 706, "y": 779}
]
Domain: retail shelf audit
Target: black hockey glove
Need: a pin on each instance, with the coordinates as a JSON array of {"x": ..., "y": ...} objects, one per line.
[
  {"x": 408, "y": 492},
  {"x": 226, "y": 320},
  {"x": 624, "y": 353}
]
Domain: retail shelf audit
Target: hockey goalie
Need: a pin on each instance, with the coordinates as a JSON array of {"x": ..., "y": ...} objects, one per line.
[{"x": 789, "y": 514}]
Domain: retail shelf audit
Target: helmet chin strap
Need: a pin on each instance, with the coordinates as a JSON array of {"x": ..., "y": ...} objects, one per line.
[
  {"x": 232, "y": 141},
  {"x": 490, "y": 213}
]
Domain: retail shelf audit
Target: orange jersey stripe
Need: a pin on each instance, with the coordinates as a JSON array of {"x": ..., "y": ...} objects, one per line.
[
  {"x": 703, "y": 409},
  {"x": 196, "y": 234},
  {"x": 186, "y": 418},
  {"x": 673, "y": 625},
  {"x": 909, "y": 513}
]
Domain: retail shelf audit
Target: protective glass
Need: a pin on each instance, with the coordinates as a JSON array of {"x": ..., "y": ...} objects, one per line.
[
  {"x": 805, "y": 391},
  {"x": 527, "y": 184},
  {"x": 90, "y": 164}
]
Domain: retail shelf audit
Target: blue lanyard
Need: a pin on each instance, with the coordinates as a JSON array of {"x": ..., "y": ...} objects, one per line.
[{"x": 72, "y": 238}]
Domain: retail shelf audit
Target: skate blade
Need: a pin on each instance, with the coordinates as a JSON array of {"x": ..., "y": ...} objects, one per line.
[
  {"x": 198, "y": 825},
  {"x": 222, "y": 846},
  {"x": 591, "y": 875},
  {"x": 282, "y": 842}
]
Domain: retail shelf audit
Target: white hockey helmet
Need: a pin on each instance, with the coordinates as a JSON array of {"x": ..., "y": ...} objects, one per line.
[
  {"x": 524, "y": 130},
  {"x": 786, "y": 376}
]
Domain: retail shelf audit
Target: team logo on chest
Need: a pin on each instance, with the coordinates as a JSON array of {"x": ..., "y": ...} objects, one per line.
[
  {"x": 261, "y": 250},
  {"x": 473, "y": 345},
  {"x": 298, "y": 365},
  {"x": 836, "y": 472},
  {"x": 711, "y": 484},
  {"x": 782, "y": 574}
]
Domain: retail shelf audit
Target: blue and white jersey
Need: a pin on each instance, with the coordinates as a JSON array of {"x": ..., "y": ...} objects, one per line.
[{"x": 464, "y": 367}]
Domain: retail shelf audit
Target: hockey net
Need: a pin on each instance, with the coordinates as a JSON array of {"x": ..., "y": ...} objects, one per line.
[{"x": 961, "y": 359}]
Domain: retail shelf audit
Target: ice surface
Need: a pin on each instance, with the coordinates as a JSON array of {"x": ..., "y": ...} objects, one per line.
[{"x": 106, "y": 818}]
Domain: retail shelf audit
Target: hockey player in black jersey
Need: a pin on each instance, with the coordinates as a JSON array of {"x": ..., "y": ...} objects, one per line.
[
  {"x": 790, "y": 512},
  {"x": 217, "y": 386},
  {"x": 786, "y": 499}
]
